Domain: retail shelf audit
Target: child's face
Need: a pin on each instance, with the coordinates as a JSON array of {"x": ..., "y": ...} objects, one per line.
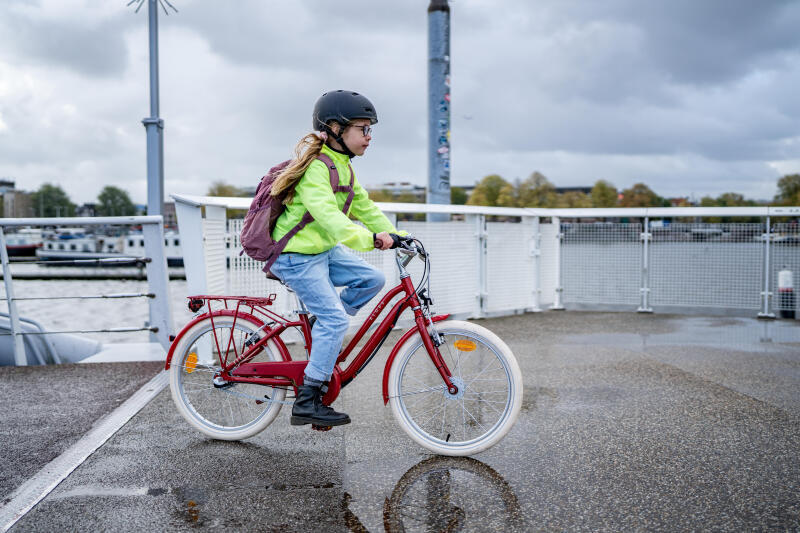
[{"x": 354, "y": 136}]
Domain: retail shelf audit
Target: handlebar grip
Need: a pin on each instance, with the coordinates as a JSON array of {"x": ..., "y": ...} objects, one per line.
[{"x": 397, "y": 240}]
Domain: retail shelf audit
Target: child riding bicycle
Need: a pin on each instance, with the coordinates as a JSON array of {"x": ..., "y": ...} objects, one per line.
[{"x": 313, "y": 262}]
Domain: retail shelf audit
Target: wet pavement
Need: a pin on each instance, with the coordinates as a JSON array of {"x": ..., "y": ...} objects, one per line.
[{"x": 629, "y": 422}]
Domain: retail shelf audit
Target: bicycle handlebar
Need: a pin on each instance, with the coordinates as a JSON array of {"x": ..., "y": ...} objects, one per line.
[
  {"x": 398, "y": 241},
  {"x": 403, "y": 243}
]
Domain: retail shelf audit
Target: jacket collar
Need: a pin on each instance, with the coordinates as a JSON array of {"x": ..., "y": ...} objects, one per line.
[{"x": 336, "y": 156}]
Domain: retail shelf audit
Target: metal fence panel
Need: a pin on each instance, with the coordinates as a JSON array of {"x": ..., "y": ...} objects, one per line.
[
  {"x": 784, "y": 256},
  {"x": 245, "y": 277},
  {"x": 214, "y": 252},
  {"x": 707, "y": 265},
  {"x": 602, "y": 262},
  {"x": 510, "y": 266},
  {"x": 454, "y": 271}
]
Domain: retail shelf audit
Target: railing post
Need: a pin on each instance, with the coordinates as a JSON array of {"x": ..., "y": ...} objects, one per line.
[
  {"x": 388, "y": 266},
  {"x": 645, "y": 237},
  {"x": 482, "y": 290},
  {"x": 558, "y": 303},
  {"x": 766, "y": 293},
  {"x": 190, "y": 225},
  {"x": 20, "y": 358},
  {"x": 158, "y": 283},
  {"x": 536, "y": 253}
]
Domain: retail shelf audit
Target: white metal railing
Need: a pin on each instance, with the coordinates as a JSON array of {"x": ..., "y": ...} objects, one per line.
[
  {"x": 490, "y": 261},
  {"x": 160, "y": 323}
]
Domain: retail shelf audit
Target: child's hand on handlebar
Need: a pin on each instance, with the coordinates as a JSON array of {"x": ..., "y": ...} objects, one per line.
[{"x": 385, "y": 240}]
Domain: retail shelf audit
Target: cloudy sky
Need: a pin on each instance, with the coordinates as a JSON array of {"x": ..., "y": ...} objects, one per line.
[{"x": 692, "y": 97}]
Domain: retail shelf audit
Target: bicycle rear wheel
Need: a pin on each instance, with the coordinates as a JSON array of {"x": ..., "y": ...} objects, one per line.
[
  {"x": 489, "y": 394},
  {"x": 225, "y": 411}
]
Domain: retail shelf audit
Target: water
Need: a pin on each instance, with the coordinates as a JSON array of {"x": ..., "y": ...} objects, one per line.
[{"x": 64, "y": 315}]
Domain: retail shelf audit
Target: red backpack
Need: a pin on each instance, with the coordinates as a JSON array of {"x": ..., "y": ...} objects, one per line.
[{"x": 259, "y": 223}]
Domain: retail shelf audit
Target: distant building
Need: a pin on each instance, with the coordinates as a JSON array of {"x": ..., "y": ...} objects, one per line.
[
  {"x": 6, "y": 185},
  {"x": 680, "y": 202},
  {"x": 400, "y": 189},
  {"x": 170, "y": 217},
  {"x": 86, "y": 210},
  {"x": 17, "y": 204}
]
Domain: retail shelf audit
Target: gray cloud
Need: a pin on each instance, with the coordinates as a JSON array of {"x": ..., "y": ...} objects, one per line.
[
  {"x": 686, "y": 96},
  {"x": 89, "y": 45}
]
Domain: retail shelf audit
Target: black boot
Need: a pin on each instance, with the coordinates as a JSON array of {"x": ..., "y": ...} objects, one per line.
[{"x": 309, "y": 409}]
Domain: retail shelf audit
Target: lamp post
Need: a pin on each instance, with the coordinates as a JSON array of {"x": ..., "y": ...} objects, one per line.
[
  {"x": 153, "y": 124},
  {"x": 438, "y": 107}
]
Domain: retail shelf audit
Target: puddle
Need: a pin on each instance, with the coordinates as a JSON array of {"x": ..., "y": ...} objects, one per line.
[
  {"x": 452, "y": 494},
  {"x": 744, "y": 334}
]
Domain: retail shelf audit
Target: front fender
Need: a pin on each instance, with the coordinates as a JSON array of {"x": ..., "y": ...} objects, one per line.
[
  {"x": 407, "y": 335},
  {"x": 223, "y": 312}
]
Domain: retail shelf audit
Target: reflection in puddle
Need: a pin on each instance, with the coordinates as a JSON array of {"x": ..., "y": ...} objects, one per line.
[
  {"x": 451, "y": 494},
  {"x": 745, "y": 334}
]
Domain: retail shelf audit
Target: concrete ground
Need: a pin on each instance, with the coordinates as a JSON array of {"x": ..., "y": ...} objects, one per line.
[{"x": 629, "y": 422}]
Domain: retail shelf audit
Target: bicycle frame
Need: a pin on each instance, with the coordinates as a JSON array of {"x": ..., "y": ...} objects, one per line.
[{"x": 289, "y": 372}]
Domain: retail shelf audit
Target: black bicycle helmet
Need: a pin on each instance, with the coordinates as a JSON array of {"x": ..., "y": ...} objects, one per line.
[{"x": 343, "y": 107}]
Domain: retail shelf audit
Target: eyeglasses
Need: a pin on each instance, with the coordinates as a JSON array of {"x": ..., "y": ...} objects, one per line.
[{"x": 365, "y": 130}]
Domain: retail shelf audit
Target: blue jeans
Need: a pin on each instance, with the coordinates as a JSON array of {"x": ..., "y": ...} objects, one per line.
[{"x": 314, "y": 278}]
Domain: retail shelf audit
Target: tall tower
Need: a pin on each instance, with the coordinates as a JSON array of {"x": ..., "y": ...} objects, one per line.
[{"x": 438, "y": 106}]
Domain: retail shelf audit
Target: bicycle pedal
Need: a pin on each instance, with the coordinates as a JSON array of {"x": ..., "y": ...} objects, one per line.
[{"x": 321, "y": 428}]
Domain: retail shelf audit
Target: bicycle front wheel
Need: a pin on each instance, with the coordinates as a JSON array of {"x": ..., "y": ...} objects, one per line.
[
  {"x": 489, "y": 394},
  {"x": 221, "y": 410}
]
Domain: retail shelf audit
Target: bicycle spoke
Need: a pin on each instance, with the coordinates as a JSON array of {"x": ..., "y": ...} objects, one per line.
[
  {"x": 489, "y": 404},
  {"x": 415, "y": 379},
  {"x": 430, "y": 418},
  {"x": 470, "y": 414},
  {"x": 484, "y": 370},
  {"x": 444, "y": 412},
  {"x": 486, "y": 392},
  {"x": 431, "y": 389}
]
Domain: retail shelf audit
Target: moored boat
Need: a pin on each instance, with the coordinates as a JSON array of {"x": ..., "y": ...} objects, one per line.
[{"x": 23, "y": 242}]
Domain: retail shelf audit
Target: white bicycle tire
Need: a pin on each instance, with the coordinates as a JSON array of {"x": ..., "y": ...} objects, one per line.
[
  {"x": 513, "y": 400},
  {"x": 184, "y": 406}
]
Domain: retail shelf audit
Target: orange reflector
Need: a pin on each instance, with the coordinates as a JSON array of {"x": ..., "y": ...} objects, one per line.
[
  {"x": 464, "y": 345},
  {"x": 191, "y": 362}
]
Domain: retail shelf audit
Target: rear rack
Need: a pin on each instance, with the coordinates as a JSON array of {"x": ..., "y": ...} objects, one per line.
[{"x": 241, "y": 300}]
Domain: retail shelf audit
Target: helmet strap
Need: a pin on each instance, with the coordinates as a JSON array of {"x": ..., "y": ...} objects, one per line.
[{"x": 338, "y": 138}]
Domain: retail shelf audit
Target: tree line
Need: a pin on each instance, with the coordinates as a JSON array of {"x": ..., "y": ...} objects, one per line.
[
  {"x": 52, "y": 201},
  {"x": 538, "y": 191}
]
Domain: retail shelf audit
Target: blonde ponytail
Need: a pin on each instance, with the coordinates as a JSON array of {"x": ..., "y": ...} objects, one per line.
[{"x": 307, "y": 149}]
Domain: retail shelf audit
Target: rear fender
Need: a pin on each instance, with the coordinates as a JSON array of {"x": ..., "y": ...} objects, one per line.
[
  {"x": 284, "y": 352},
  {"x": 406, "y": 336}
]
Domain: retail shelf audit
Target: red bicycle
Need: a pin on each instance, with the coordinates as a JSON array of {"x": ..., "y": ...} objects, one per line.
[{"x": 454, "y": 387}]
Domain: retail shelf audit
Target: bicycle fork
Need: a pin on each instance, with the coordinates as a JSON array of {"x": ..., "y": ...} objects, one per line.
[{"x": 433, "y": 351}]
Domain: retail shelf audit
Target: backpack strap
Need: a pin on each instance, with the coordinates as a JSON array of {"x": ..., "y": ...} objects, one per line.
[
  {"x": 334, "y": 173},
  {"x": 307, "y": 218}
]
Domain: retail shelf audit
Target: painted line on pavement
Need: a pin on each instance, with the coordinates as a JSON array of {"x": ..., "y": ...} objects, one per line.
[{"x": 27, "y": 495}]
